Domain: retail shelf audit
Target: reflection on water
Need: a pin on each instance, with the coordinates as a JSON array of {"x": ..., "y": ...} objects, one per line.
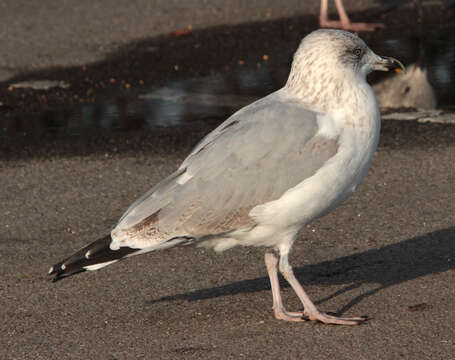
[{"x": 429, "y": 83}]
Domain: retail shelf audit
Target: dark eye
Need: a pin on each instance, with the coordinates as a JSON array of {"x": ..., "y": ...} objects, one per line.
[{"x": 357, "y": 52}]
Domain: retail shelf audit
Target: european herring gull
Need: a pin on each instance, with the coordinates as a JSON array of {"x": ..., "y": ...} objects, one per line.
[{"x": 266, "y": 172}]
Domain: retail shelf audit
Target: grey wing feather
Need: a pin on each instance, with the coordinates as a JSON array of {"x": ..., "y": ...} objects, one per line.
[
  {"x": 252, "y": 158},
  {"x": 163, "y": 186}
]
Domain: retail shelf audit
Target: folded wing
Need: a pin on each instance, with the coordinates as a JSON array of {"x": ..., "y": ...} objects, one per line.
[{"x": 252, "y": 158}]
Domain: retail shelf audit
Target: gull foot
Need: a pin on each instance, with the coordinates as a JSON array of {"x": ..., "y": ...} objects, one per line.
[
  {"x": 282, "y": 314},
  {"x": 350, "y": 25},
  {"x": 332, "y": 319}
]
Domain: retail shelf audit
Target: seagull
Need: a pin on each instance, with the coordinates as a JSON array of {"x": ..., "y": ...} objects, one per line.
[
  {"x": 266, "y": 172},
  {"x": 412, "y": 90}
]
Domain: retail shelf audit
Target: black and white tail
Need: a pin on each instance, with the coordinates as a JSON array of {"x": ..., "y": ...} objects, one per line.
[{"x": 92, "y": 257}]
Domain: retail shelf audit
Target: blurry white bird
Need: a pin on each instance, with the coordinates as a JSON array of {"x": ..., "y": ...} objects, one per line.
[
  {"x": 411, "y": 90},
  {"x": 267, "y": 171}
]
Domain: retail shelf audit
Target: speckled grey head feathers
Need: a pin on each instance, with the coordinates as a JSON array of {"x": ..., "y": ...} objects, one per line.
[
  {"x": 326, "y": 62},
  {"x": 329, "y": 47}
]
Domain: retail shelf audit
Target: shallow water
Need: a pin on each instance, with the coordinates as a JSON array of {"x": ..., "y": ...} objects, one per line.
[{"x": 211, "y": 98}]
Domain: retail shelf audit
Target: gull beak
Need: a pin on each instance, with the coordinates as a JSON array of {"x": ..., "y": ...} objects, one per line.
[{"x": 385, "y": 63}]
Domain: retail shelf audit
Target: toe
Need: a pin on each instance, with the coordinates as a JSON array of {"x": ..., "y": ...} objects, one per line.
[{"x": 330, "y": 319}]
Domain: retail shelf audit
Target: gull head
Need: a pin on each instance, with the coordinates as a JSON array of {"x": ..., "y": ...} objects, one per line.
[{"x": 330, "y": 60}]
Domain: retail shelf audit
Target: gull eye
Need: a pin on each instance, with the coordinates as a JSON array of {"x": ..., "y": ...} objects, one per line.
[{"x": 357, "y": 52}]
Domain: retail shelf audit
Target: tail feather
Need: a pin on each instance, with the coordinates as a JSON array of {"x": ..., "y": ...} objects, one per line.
[{"x": 91, "y": 257}]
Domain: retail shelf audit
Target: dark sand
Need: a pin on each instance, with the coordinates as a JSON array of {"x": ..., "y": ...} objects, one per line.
[{"x": 388, "y": 252}]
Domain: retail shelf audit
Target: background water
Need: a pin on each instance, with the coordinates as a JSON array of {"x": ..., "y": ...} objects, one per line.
[{"x": 211, "y": 96}]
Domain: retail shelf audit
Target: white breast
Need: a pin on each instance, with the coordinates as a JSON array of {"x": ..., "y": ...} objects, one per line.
[{"x": 339, "y": 177}]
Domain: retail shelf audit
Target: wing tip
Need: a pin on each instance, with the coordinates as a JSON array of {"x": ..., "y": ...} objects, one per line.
[
  {"x": 61, "y": 271},
  {"x": 91, "y": 257}
]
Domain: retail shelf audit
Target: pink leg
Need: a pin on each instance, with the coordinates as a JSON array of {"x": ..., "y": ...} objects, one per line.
[
  {"x": 344, "y": 23},
  {"x": 280, "y": 313},
  {"x": 311, "y": 312}
]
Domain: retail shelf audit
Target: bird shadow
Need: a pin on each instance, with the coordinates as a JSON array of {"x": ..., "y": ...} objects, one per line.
[{"x": 389, "y": 265}]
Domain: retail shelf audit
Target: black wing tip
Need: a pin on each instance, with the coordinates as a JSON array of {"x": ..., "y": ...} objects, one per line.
[
  {"x": 73, "y": 265},
  {"x": 61, "y": 273},
  {"x": 95, "y": 253}
]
